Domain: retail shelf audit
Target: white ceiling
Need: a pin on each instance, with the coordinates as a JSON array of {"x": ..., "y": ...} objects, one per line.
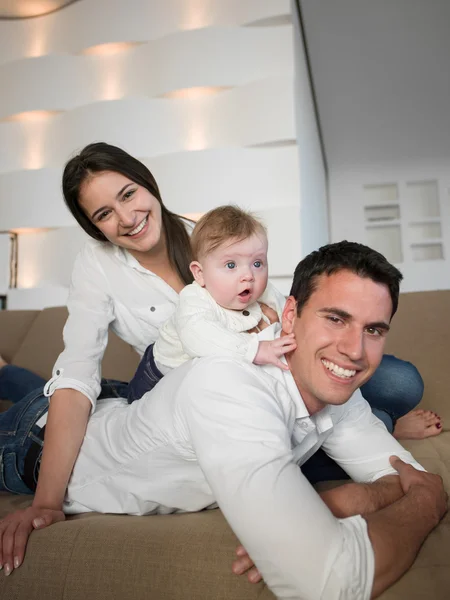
[
  {"x": 15, "y": 9},
  {"x": 381, "y": 73}
]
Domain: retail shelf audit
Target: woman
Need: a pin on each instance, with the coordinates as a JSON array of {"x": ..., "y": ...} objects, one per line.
[{"x": 127, "y": 278}]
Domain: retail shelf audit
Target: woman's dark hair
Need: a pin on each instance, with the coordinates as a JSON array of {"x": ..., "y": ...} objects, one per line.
[
  {"x": 99, "y": 157},
  {"x": 344, "y": 256}
]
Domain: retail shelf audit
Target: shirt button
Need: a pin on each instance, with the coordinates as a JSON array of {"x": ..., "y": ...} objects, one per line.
[
  {"x": 245, "y": 313},
  {"x": 152, "y": 308},
  {"x": 305, "y": 425}
]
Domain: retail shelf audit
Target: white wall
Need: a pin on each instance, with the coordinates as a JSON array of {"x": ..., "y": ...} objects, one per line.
[
  {"x": 313, "y": 180},
  {"x": 382, "y": 80},
  {"x": 202, "y": 91}
]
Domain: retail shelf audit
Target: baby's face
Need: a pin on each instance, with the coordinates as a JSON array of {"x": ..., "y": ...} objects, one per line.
[{"x": 235, "y": 274}]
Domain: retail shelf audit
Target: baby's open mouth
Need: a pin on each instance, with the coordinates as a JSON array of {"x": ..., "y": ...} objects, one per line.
[{"x": 245, "y": 294}]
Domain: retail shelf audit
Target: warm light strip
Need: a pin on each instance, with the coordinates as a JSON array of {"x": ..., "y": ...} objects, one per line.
[
  {"x": 110, "y": 49},
  {"x": 31, "y": 8},
  {"x": 193, "y": 93},
  {"x": 193, "y": 216},
  {"x": 28, "y": 230},
  {"x": 32, "y": 116}
]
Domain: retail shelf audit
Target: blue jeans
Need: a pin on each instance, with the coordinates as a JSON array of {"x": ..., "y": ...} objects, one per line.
[
  {"x": 16, "y": 383},
  {"x": 146, "y": 377},
  {"x": 19, "y": 432},
  {"x": 394, "y": 389}
]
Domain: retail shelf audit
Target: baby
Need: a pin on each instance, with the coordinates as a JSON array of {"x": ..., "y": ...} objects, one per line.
[{"x": 221, "y": 311}]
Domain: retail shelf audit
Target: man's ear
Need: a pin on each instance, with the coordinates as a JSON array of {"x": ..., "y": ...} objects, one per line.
[
  {"x": 289, "y": 315},
  {"x": 197, "y": 272}
]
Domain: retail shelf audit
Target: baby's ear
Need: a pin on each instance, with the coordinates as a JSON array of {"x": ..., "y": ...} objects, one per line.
[{"x": 197, "y": 272}]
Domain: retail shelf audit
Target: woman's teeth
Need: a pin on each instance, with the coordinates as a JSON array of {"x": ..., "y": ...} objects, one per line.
[
  {"x": 339, "y": 371},
  {"x": 139, "y": 228}
]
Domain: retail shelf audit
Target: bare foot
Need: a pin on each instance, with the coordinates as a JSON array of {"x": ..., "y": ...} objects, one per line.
[{"x": 418, "y": 425}]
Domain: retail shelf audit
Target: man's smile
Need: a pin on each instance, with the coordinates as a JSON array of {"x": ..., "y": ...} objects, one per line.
[{"x": 338, "y": 371}]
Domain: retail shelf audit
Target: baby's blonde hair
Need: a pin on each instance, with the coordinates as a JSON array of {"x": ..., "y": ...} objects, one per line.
[{"x": 223, "y": 224}]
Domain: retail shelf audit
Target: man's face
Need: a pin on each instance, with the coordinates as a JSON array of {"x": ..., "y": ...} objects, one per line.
[{"x": 340, "y": 336}]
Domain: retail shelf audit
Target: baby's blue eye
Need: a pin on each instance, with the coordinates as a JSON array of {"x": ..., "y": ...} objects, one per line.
[
  {"x": 257, "y": 264},
  {"x": 230, "y": 265}
]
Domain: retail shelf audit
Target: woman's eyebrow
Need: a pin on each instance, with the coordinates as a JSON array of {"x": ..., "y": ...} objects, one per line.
[{"x": 120, "y": 192}]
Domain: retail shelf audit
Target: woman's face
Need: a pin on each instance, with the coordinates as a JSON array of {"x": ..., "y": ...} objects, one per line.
[{"x": 126, "y": 213}]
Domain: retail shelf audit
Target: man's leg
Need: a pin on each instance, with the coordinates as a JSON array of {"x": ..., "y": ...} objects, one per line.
[
  {"x": 16, "y": 382},
  {"x": 393, "y": 392}
]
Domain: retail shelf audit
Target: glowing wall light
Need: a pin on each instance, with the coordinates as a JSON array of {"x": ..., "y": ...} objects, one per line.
[
  {"x": 38, "y": 38},
  {"x": 32, "y": 116},
  {"x": 34, "y": 124},
  {"x": 110, "y": 49},
  {"x": 193, "y": 216},
  {"x": 195, "y": 15},
  {"x": 193, "y": 93}
]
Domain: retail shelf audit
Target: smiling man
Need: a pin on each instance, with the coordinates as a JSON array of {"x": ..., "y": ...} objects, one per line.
[{"x": 222, "y": 431}]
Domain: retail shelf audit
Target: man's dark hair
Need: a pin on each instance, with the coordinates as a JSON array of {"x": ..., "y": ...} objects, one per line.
[{"x": 344, "y": 256}]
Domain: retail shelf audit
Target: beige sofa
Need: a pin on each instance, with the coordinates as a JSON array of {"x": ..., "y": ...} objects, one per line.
[{"x": 188, "y": 557}]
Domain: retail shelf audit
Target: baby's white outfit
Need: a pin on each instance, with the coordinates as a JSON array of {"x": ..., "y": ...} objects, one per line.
[{"x": 200, "y": 327}]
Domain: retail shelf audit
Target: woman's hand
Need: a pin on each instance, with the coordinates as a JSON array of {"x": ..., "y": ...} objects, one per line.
[
  {"x": 244, "y": 564},
  {"x": 269, "y": 313},
  {"x": 15, "y": 529}
]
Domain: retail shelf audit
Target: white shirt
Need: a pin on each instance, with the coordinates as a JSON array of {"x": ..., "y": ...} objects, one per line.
[
  {"x": 221, "y": 430},
  {"x": 109, "y": 288},
  {"x": 201, "y": 327}
]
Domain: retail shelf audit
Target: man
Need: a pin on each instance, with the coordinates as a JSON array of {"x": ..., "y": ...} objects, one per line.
[{"x": 221, "y": 431}]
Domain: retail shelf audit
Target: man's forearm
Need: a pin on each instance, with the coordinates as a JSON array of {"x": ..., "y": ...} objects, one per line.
[
  {"x": 362, "y": 498},
  {"x": 396, "y": 533}
]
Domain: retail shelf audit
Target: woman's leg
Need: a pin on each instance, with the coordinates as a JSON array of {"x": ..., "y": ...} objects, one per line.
[
  {"x": 393, "y": 392},
  {"x": 146, "y": 377},
  {"x": 20, "y": 442},
  {"x": 396, "y": 387},
  {"x": 16, "y": 383}
]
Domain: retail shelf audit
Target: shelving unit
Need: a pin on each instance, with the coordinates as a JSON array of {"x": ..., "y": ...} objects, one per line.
[{"x": 404, "y": 219}]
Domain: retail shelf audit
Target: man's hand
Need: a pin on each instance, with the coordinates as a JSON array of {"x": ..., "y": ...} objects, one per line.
[
  {"x": 269, "y": 352},
  {"x": 429, "y": 483},
  {"x": 15, "y": 529},
  {"x": 244, "y": 564}
]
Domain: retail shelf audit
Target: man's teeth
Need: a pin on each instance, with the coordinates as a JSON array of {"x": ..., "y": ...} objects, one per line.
[
  {"x": 339, "y": 371},
  {"x": 139, "y": 228}
]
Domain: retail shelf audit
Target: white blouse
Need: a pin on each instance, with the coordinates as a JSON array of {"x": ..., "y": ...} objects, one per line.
[{"x": 109, "y": 288}]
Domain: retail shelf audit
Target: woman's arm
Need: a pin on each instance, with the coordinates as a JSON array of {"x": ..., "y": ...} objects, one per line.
[
  {"x": 66, "y": 425},
  {"x": 73, "y": 391}
]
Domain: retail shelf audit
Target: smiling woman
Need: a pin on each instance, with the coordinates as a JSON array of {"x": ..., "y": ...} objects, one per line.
[{"x": 126, "y": 278}]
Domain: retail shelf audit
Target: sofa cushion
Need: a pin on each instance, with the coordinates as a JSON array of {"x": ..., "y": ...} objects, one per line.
[
  {"x": 14, "y": 327},
  {"x": 420, "y": 333},
  {"x": 39, "y": 349},
  {"x": 120, "y": 557}
]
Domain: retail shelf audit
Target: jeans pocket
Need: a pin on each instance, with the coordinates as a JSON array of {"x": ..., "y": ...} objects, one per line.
[{"x": 10, "y": 479}]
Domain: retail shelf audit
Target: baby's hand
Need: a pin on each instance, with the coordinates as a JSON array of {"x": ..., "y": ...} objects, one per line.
[{"x": 269, "y": 352}]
